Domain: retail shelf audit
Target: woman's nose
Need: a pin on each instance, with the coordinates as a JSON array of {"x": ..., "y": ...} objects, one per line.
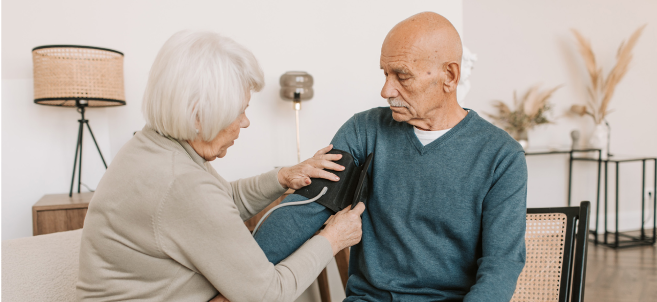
[{"x": 245, "y": 122}]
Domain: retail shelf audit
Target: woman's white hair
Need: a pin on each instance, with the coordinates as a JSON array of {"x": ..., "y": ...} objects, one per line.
[{"x": 199, "y": 78}]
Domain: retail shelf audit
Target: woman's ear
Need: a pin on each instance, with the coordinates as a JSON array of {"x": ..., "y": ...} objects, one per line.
[
  {"x": 452, "y": 76},
  {"x": 197, "y": 128}
]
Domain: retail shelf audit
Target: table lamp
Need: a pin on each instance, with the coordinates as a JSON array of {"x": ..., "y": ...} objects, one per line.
[
  {"x": 80, "y": 77},
  {"x": 297, "y": 86}
]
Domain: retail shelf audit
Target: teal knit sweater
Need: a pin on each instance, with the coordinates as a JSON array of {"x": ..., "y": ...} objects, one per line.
[{"x": 445, "y": 221}]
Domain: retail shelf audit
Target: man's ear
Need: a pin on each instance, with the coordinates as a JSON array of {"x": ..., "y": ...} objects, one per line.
[{"x": 453, "y": 75}]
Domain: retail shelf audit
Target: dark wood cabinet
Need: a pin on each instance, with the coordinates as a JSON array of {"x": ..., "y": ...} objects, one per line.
[{"x": 58, "y": 213}]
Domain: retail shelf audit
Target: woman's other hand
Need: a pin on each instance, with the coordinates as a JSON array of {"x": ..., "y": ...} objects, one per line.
[
  {"x": 344, "y": 229},
  {"x": 298, "y": 176}
]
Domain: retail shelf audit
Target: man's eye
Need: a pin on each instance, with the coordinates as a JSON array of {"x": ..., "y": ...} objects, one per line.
[{"x": 403, "y": 79}]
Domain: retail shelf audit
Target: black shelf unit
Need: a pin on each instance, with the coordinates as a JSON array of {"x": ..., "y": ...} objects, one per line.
[
  {"x": 620, "y": 239},
  {"x": 623, "y": 239}
]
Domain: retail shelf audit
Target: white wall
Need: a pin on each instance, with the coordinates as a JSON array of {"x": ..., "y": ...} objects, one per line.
[
  {"x": 338, "y": 42},
  {"x": 38, "y": 146},
  {"x": 520, "y": 43}
]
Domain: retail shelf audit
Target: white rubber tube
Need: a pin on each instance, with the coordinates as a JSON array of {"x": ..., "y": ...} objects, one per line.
[{"x": 294, "y": 203}]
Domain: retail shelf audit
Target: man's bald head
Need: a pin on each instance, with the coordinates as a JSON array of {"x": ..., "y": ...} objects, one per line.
[
  {"x": 421, "y": 59},
  {"x": 427, "y": 32}
]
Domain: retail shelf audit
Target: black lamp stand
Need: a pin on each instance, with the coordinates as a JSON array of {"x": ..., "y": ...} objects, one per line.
[{"x": 81, "y": 105}]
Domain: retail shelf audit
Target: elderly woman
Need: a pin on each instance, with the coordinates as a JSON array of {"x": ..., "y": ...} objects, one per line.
[{"x": 163, "y": 225}]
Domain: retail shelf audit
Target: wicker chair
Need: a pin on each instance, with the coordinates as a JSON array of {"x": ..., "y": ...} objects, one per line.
[
  {"x": 554, "y": 237},
  {"x": 556, "y": 243}
]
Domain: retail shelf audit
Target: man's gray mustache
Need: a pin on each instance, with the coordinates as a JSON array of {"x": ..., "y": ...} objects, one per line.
[{"x": 393, "y": 102}]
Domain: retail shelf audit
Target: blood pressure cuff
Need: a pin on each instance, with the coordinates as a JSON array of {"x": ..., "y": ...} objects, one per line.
[{"x": 353, "y": 186}]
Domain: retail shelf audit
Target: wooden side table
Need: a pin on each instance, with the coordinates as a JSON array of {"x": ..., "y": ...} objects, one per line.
[{"x": 58, "y": 213}]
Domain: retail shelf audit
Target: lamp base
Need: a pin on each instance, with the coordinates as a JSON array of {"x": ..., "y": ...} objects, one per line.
[
  {"x": 81, "y": 104},
  {"x": 297, "y": 107}
]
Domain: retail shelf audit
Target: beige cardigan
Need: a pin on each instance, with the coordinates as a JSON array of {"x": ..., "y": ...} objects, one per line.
[{"x": 164, "y": 226}]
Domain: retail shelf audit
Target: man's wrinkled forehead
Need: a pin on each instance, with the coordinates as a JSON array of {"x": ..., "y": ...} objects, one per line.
[
  {"x": 403, "y": 60},
  {"x": 408, "y": 51},
  {"x": 395, "y": 66}
]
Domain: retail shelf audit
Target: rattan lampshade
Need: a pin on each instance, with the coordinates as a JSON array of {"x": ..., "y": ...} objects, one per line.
[{"x": 67, "y": 75}]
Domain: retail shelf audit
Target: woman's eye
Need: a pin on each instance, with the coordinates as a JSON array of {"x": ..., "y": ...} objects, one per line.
[{"x": 403, "y": 79}]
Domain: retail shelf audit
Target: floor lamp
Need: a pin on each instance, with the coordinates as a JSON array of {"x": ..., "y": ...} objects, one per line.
[
  {"x": 297, "y": 86},
  {"x": 81, "y": 77}
]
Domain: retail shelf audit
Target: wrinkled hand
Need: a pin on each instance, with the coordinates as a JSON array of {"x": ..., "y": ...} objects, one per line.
[
  {"x": 298, "y": 176},
  {"x": 344, "y": 229},
  {"x": 219, "y": 298}
]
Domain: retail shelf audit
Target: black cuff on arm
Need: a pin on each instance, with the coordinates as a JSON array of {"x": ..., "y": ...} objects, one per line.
[{"x": 349, "y": 190}]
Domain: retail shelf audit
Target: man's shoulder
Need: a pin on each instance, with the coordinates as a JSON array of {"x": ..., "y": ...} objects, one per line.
[
  {"x": 358, "y": 134},
  {"x": 374, "y": 115}
]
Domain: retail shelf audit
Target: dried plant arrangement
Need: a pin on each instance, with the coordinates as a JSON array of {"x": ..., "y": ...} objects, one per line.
[
  {"x": 530, "y": 110},
  {"x": 602, "y": 89}
]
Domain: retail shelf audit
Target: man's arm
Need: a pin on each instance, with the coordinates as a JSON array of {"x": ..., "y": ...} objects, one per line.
[
  {"x": 287, "y": 228},
  {"x": 503, "y": 232},
  {"x": 348, "y": 139}
]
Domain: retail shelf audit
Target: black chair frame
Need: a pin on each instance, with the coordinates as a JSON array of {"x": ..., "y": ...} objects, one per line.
[{"x": 575, "y": 247}]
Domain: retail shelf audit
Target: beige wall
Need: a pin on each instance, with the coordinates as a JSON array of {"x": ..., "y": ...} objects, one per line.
[
  {"x": 520, "y": 43},
  {"x": 338, "y": 42}
]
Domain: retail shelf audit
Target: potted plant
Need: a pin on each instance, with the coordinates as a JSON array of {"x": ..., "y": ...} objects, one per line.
[
  {"x": 601, "y": 89},
  {"x": 528, "y": 111}
]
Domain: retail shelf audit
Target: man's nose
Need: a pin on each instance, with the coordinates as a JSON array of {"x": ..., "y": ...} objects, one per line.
[{"x": 389, "y": 90}]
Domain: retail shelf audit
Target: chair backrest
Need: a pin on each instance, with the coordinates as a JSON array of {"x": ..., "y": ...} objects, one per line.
[
  {"x": 556, "y": 241},
  {"x": 41, "y": 268}
]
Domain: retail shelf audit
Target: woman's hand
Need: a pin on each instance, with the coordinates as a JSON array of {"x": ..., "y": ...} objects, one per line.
[
  {"x": 298, "y": 176},
  {"x": 344, "y": 229}
]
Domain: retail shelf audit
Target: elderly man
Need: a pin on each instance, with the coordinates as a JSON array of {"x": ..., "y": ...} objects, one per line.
[{"x": 445, "y": 220}]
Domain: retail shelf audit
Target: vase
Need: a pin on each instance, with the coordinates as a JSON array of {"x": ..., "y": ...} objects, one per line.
[
  {"x": 600, "y": 139},
  {"x": 521, "y": 137}
]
